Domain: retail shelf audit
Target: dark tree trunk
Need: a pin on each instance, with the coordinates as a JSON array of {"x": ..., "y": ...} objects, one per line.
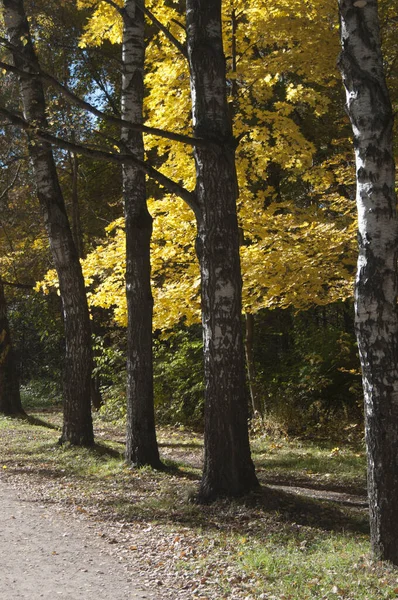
[
  {"x": 10, "y": 399},
  {"x": 370, "y": 112},
  {"x": 141, "y": 444},
  {"x": 76, "y": 221},
  {"x": 96, "y": 396},
  {"x": 77, "y": 234},
  {"x": 228, "y": 467},
  {"x": 77, "y": 427},
  {"x": 257, "y": 407}
]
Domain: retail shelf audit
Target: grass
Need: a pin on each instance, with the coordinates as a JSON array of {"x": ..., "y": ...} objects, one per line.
[
  {"x": 271, "y": 544},
  {"x": 326, "y": 463}
]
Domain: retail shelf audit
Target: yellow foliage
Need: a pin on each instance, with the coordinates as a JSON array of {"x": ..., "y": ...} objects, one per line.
[
  {"x": 298, "y": 227},
  {"x": 175, "y": 271},
  {"x": 105, "y": 24}
]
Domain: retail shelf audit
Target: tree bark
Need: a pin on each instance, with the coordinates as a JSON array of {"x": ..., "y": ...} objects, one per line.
[
  {"x": 76, "y": 220},
  {"x": 257, "y": 407},
  {"x": 77, "y": 426},
  {"x": 77, "y": 234},
  {"x": 228, "y": 467},
  {"x": 370, "y": 112},
  {"x": 141, "y": 444},
  {"x": 10, "y": 399}
]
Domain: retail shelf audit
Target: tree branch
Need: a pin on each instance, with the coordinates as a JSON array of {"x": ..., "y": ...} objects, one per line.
[
  {"x": 169, "y": 184},
  {"x": 102, "y": 86},
  {"x": 176, "y": 137},
  {"x": 11, "y": 185},
  {"x": 181, "y": 47},
  {"x": 22, "y": 286}
]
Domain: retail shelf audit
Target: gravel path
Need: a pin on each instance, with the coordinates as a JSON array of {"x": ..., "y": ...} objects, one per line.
[{"x": 48, "y": 555}]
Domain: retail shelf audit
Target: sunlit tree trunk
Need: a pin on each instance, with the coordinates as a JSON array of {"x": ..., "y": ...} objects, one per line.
[
  {"x": 10, "y": 399},
  {"x": 77, "y": 426},
  {"x": 141, "y": 444},
  {"x": 370, "y": 112},
  {"x": 228, "y": 467}
]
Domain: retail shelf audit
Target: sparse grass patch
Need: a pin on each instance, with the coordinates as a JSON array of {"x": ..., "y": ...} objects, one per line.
[{"x": 322, "y": 462}]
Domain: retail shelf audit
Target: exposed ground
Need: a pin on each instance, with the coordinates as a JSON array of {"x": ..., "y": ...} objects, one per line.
[
  {"x": 47, "y": 554},
  {"x": 302, "y": 536}
]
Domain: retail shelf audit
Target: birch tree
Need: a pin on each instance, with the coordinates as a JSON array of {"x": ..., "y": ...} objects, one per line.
[
  {"x": 228, "y": 468},
  {"x": 141, "y": 445},
  {"x": 370, "y": 112},
  {"x": 77, "y": 425}
]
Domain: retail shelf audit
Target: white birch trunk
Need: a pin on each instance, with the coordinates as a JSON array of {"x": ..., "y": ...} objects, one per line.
[{"x": 370, "y": 112}]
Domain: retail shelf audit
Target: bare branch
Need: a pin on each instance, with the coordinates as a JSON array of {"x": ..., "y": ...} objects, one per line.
[
  {"x": 13, "y": 159},
  {"x": 169, "y": 184},
  {"x": 179, "y": 23},
  {"x": 22, "y": 286},
  {"x": 176, "y": 137},
  {"x": 11, "y": 185}
]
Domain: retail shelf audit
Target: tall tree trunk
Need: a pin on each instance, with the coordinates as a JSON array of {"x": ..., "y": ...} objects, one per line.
[
  {"x": 370, "y": 112},
  {"x": 10, "y": 399},
  {"x": 257, "y": 407},
  {"x": 249, "y": 317},
  {"x": 77, "y": 426},
  {"x": 141, "y": 444},
  {"x": 77, "y": 234},
  {"x": 76, "y": 221},
  {"x": 228, "y": 467}
]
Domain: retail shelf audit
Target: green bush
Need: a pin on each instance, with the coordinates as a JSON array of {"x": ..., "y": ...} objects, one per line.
[
  {"x": 40, "y": 394},
  {"x": 110, "y": 369},
  {"x": 308, "y": 367},
  {"x": 178, "y": 378},
  {"x": 38, "y": 336}
]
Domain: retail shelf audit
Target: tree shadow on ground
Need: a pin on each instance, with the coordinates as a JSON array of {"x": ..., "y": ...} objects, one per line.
[
  {"x": 250, "y": 515},
  {"x": 102, "y": 450},
  {"x": 293, "y": 481},
  {"x": 324, "y": 514},
  {"x": 36, "y": 421},
  {"x": 176, "y": 470},
  {"x": 42, "y": 473}
]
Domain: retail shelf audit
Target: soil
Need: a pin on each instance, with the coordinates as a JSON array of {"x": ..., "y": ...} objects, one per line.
[{"x": 48, "y": 554}]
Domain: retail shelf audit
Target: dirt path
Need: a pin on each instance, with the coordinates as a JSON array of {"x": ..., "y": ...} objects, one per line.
[{"x": 48, "y": 555}]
